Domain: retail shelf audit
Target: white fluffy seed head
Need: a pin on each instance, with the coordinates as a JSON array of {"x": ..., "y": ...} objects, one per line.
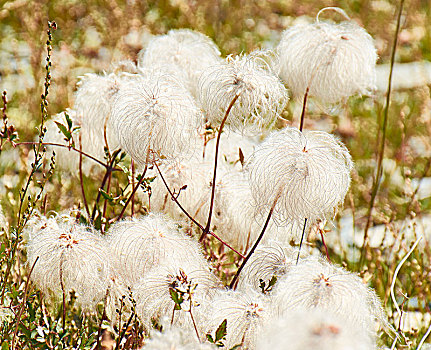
[
  {"x": 174, "y": 337},
  {"x": 247, "y": 312},
  {"x": 190, "y": 52},
  {"x": 334, "y": 60},
  {"x": 308, "y": 173},
  {"x": 262, "y": 97},
  {"x": 191, "y": 179},
  {"x": 314, "y": 329},
  {"x": 268, "y": 261},
  {"x": 153, "y": 294},
  {"x": 153, "y": 112},
  {"x": 138, "y": 245},
  {"x": 72, "y": 251},
  {"x": 315, "y": 283}
]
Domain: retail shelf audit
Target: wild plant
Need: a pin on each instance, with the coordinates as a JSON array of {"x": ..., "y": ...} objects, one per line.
[{"x": 187, "y": 171}]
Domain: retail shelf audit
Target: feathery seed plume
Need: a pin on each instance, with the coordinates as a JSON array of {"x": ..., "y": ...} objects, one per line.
[
  {"x": 314, "y": 329},
  {"x": 138, "y": 245},
  {"x": 69, "y": 254},
  {"x": 334, "y": 61},
  {"x": 308, "y": 173},
  {"x": 189, "y": 51},
  {"x": 262, "y": 97},
  {"x": 315, "y": 283},
  {"x": 152, "y": 112},
  {"x": 247, "y": 312}
]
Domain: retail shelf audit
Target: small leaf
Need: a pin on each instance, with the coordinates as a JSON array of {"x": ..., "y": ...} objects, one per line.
[
  {"x": 210, "y": 338},
  {"x": 106, "y": 195},
  {"x": 272, "y": 281},
  {"x": 221, "y": 331},
  {"x": 177, "y": 298},
  {"x": 68, "y": 120},
  {"x": 64, "y": 130},
  {"x": 241, "y": 157}
]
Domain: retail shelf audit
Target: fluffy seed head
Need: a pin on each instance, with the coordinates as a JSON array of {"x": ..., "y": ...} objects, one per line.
[
  {"x": 154, "y": 112},
  {"x": 247, "y": 312},
  {"x": 72, "y": 253},
  {"x": 153, "y": 292},
  {"x": 262, "y": 96},
  {"x": 314, "y": 329},
  {"x": 176, "y": 338},
  {"x": 308, "y": 173},
  {"x": 190, "y": 52},
  {"x": 268, "y": 261},
  {"x": 334, "y": 60},
  {"x": 315, "y": 283},
  {"x": 138, "y": 245}
]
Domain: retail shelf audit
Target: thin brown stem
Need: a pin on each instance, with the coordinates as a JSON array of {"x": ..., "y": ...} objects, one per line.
[
  {"x": 63, "y": 292},
  {"x": 208, "y": 225},
  {"x": 377, "y": 179},
  {"x": 21, "y": 307},
  {"x": 99, "y": 331},
  {"x": 133, "y": 185},
  {"x": 70, "y": 148},
  {"x": 302, "y": 239},
  {"x": 304, "y": 105},
  {"x": 175, "y": 199},
  {"x": 108, "y": 188},
  {"x": 81, "y": 179},
  {"x": 235, "y": 279},
  {"x": 324, "y": 244},
  {"x": 193, "y": 320}
]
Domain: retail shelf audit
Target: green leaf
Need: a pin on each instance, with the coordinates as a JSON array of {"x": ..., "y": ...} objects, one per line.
[
  {"x": 64, "y": 130},
  {"x": 235, "y": 347},
  {"x": 210, "y": 338},
  {"x": 106, "y": 195},
  {"x": 5, "y": 346},
  {"x": 221, "y": 331},
  {"x": 272, "y": 281},
  {"x": 176, "y": 297},
  {"x": 68, "y": 120}
]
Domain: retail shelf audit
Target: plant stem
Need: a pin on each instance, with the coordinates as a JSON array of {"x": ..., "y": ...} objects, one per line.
[
  {"x": 304, "y": 105},
  {"x": 81, "y": 179},
  {"x": 302, "y": 239},
  {"x": 175, "y": 199},
  {"x": 21, "y": 307},
  {"x": 70, "y": 148},
  {"x": 208, "y": 225},
  {"x": 376, "y": 183},
  {"x": 235, "y": 279}
]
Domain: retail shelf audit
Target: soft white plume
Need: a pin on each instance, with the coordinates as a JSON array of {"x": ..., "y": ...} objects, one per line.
[
  {"x": 315, "y": 283},
  {"x": 334, "y": 60},
  {"x": 308, "y": 173},
  {"x": 138, "y": 245},
  {"x": 247, "y": 312},
  {"x": 190, "y": 52},
  {"x": 73, "y": 251},
  {"x": 314, "y": 329},
  {"x": 262, "y": 97},
  {"x": 153, "y": 112}
]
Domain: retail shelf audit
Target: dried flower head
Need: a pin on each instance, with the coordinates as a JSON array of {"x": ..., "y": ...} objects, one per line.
[
  {"x": 71, "y": 255},
  {"x": 247, "y": 312},
  {"x": 334, "y": 61},
  {"x": 139, "y": 245},
  {"x": 152, "y": 112},
  {"x": 315, "y": 283},
  {"x": 192, "y": 282},
  {"x": 308, "y": 173},
  {"x": 190, "y": 52},
  {"x": 314, "y": 329},
  {"x": 269, "y": 261},
  {"x": 261, "y": 96}
]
